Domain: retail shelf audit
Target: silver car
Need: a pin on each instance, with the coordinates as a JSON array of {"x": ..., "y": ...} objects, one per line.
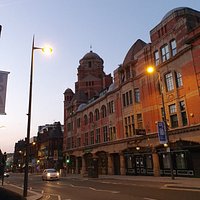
[{"x": 50, "y": 174}]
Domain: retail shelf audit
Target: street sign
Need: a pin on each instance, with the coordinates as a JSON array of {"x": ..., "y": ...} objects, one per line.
[{"x": 162, "y": 135}]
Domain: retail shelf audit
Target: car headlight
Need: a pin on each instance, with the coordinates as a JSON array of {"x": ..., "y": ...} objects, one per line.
[
  {"x": 48, "y": 174},
  {"x": 57, "y": 173}
]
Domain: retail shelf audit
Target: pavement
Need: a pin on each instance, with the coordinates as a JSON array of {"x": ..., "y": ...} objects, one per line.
[{"x": 179, "y": 183}]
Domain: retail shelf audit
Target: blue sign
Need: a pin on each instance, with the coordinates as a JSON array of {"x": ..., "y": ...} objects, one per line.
[{"x": 162, "y": 135}]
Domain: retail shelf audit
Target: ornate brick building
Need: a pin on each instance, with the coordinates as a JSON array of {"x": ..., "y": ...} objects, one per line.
[{"x": 116, "y": 122}]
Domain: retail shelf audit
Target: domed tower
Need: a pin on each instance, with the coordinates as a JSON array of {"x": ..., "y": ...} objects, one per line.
[
  {"x": 68, "y": 95},
  {"x": 91, "y": 77}
]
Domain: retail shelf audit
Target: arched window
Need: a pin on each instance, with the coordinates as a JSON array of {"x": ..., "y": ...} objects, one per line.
[
  {"x": 103, "y": 111},
  {"x": 85, "y": 119},
  {"x": 91, "y": 117},
  {"x": 96, "y": 114}
]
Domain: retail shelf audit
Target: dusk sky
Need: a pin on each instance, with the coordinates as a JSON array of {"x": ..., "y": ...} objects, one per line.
[{"x": 71, "y": 27}]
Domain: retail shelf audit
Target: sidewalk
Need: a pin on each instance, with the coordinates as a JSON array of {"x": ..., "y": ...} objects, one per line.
[{"x": 13, "y": 188}]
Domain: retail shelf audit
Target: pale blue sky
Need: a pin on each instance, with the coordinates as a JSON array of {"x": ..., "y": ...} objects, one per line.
[{"x": 70, "y": 27}]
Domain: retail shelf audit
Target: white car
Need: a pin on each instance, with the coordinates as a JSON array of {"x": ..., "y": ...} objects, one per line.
[
  {"x": 50, "y": 174},
  {"x": 6, "y": 174}
]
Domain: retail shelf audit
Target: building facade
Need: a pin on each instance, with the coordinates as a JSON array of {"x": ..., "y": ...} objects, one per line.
[
  {"x": 115, "y": 122},
  {"x": 45, "y": 149}
]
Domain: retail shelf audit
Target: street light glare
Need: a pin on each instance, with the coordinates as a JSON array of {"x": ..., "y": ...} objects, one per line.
[
  {"x": 47, "y": 50},
  {"x": 150, "y": 69}
]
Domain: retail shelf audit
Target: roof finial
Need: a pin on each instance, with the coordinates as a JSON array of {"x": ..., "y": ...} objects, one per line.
[{"x": 90, "y": 48}]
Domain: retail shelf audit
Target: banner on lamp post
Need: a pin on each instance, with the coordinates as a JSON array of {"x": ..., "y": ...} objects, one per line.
[
  {"x": 162, "y": 135},
  {"x": 3, "y": 88}
]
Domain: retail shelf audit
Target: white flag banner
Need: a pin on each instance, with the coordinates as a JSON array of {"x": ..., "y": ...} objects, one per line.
[{"x": 3, "y": 88}]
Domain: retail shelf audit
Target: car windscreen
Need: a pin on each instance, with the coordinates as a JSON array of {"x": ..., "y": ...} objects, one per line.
[{"x": 51, "y": 170}]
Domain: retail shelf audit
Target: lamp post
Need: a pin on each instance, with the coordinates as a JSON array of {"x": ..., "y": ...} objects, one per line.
[
  {"x": 46, "y": 50},
  {"x": 150, "y": 70}
]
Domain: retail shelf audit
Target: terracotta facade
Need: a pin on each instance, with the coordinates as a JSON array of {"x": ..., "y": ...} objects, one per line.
[{"x": 115, "y": 121}]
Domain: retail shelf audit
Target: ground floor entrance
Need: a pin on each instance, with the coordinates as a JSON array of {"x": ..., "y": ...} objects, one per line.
[{"x": 142, "y": 161}]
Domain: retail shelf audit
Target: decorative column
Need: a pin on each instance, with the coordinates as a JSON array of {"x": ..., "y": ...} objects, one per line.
[
  {"x": 76, "y": 170},
  {"x": 110, "y": 164},
  {"x": 122, "y": 164},
  {"x": 83, "y": 169},
  {"x": 156, "y": 164}
]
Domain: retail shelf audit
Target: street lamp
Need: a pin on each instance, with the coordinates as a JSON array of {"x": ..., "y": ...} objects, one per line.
[
  {"x": 46, "y": 50},
  {"x": 151, "y": 70}
]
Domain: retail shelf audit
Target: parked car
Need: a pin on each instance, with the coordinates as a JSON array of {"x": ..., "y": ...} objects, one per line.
[{"x": 50, "y": 174}]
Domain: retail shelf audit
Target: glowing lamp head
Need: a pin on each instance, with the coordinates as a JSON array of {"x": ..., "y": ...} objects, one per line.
[
  {"x": 47, "y": 50},
  {"x": 150, "y": 69}
]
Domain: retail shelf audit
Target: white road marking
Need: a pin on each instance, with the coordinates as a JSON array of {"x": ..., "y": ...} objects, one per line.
[
  {"x": 114, "y": 192},
  {"x": 180, "y": 189},
  {"x": 146, "y": 198}
]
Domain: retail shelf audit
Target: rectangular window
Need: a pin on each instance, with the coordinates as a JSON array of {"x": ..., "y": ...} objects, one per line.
[
  {"x": 124, "y": 100},
  {"x": 165, "y": 53},
  {"x": 172, "y": 109},
  {"x": 92, "y": 137},
  {"x": 173, "y": 47},
  {"x": 78, "y": 121},
  {"x": 179, "y": 81},
  {"x": 127, "y": 98},
  {"x": 173, "y": 116},
  {"x": 137, "y": 95},
  {"x": 105, "y": 134},
  {"x": 112, "y": 133},
  {"x": 169, "y": 81},
  {"x": 111, "y": 107},
  {"x": 130, "y": 97},
  {"x": 183, "y": 113},
  {"x": 166, "y": 161},
  {"x": 174, "y": 121},
  {"x": 181, "y": 162},
  {"x": 86, "y": 138},
  {"x": 139, "y": 121},
  {"x": 98, "y": 139},
  {"x": 122, "y": 77},
  {"x": 156, "y": 58}
]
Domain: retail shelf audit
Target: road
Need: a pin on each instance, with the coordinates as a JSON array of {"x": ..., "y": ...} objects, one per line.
[{"x": 99, "y": 189}]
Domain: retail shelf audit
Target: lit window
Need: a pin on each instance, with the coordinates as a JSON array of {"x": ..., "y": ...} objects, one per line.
[
  {"x": 169, "y": 81},
  {"x": 165, "y": 53}
]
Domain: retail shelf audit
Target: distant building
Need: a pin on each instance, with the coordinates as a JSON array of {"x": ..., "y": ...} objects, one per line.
[
  {"x": 116, "y": 122},
  {"x": 19, "y": 156},
  {"x": 50, "y": 146},
  {"x": 45, "y": 150}
]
